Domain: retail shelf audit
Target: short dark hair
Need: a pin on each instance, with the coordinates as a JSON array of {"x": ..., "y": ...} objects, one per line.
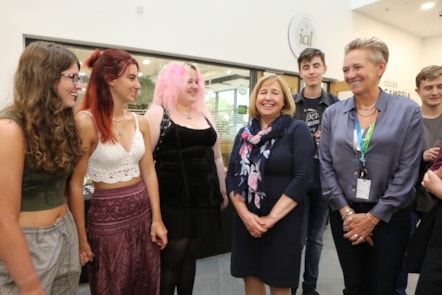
[{"x": 308, "y": 54}]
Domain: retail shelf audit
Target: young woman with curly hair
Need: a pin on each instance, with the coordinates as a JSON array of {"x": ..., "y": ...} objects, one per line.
[{"x": 39, "y": 148}]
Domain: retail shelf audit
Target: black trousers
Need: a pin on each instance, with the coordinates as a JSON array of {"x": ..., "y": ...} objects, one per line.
[
  {"x": 430, "y": 279},
  {"x": 372, "y": 270}
]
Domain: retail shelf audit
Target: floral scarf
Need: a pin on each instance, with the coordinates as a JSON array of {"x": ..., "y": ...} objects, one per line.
[{"x": 251, "y": 159}]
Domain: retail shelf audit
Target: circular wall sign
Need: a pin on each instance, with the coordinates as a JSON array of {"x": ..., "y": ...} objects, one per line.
[{"x": 302, "y": 33}]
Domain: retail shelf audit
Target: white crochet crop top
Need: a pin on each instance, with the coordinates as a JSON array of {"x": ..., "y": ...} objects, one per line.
[{"x": 111, "y": 163}]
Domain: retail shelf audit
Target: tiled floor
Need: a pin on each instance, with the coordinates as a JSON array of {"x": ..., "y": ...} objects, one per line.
[{"x": 213, "y": 275}]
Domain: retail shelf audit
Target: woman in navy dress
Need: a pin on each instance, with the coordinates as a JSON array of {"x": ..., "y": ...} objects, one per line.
[{"x": 269, "y": 172}]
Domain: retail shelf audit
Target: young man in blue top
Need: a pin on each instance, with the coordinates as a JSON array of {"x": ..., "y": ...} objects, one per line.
[{"x": 311, "y": 102}]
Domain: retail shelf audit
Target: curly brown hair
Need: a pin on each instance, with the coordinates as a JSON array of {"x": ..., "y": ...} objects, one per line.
[{"x": 52, "y": 140}]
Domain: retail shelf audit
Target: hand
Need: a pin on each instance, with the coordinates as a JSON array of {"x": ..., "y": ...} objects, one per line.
[
  {"x": 431, "y": 154},
  {"x": 432, "y": 183},
  {"x": 358, "y": 229},
  {"x": 86, "y": 254},
  {"x": 317, "y": 136},
  {"x": 158, "y": 232},
  {"x": 268, "y": 222},
  {"x": 224, "y": 203},
  {"x": 254, "y": 225}
]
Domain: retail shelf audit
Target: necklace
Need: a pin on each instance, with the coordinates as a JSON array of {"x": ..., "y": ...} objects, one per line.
[
  {"x": 188, "y": 116},
  {"x": 121, "y": 119},
  {"x": 367, "y": 115},
  {"x": 367, "y": 108}
]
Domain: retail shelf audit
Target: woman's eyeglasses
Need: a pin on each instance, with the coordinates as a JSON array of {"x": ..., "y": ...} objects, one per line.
[{"x": 74, "y": 77}]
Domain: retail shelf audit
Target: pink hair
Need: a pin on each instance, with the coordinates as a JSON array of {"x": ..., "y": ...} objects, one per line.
[{"x": 171, "y": 85}]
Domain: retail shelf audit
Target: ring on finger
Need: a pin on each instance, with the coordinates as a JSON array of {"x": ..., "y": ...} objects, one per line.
[{"x": 355, "y": 236}]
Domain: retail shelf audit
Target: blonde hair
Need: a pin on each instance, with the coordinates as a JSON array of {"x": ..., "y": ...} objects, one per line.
[
  {"x": 378, "y": 48},
  {"x": 289, "y": 104}
]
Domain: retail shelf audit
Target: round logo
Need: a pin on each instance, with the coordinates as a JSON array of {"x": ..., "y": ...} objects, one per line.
[
  {"x": 242, "y": 89},
  {"x": 302, "y": 33}
]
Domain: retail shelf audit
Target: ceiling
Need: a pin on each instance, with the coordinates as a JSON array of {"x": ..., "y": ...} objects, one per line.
[{"x": 405, "y": 15}]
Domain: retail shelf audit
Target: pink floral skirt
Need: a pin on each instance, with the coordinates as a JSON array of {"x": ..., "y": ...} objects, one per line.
[{"x": 126, "y": 260}]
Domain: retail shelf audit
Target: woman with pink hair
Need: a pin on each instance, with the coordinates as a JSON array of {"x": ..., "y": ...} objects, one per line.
[{"x": 190, "y": 171}]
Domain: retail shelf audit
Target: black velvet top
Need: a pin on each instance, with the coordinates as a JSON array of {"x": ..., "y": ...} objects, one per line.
[{"x": 186, "y": 167}]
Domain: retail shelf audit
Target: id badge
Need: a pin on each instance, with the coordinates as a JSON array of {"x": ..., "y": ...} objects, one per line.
[{"x": 363, "y": 188}]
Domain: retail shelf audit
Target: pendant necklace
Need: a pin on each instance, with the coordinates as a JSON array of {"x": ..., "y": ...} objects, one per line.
[
  {"x": 188, "y": 116},
  {"x": 121, "y": 119}
]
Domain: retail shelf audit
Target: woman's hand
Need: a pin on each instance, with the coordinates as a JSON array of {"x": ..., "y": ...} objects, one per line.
[
  {"x": 158, "y": 233},
  {"x": 86, "y": 254},
  {"x": 432, "y": 183},
  {"x": 224, "y": 203},
  {"x": 358, "y": 228},
  {"x": 254, "y": 224}
]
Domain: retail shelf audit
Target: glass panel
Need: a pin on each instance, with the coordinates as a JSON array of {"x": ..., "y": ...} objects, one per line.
[{"x": 227, "y": 90}]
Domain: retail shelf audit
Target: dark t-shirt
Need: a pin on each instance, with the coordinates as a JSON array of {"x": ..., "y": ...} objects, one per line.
[{"x": 312, "y": 119}]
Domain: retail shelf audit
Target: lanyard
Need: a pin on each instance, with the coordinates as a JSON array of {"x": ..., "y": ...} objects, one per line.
[{"x": 363, "y": 144}]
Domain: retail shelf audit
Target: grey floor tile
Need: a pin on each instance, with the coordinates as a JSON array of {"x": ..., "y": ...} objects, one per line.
[{"x": 213, "y": 275}]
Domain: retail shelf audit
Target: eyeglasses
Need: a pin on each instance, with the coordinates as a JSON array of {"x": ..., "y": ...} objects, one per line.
[{"x": 74, "y": 77}]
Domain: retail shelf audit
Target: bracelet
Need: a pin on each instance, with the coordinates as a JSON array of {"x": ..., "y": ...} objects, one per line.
[
  {"x": 370, "y": 219},
  {"x": 347, "y": 211}
]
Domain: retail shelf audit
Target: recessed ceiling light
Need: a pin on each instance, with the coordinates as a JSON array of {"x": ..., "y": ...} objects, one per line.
[
  {"x": 427, "y": 5},
  {"x": 146, "y": 62}
]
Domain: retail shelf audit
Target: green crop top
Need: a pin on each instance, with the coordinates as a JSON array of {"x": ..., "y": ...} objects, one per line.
[{"x": 40, "y": 190}]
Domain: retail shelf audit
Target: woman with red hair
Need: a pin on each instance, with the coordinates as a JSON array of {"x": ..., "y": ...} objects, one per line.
[{"x": 125, "y": 229}]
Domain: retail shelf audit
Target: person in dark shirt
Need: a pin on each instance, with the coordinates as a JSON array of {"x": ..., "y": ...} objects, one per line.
[{"x": 311, "y": 103}]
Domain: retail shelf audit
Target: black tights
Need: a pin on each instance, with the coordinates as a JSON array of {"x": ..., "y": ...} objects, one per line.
[{"x": 178, "y": 265}]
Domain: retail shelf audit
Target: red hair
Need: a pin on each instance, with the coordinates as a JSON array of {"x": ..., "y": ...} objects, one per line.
[{"x": 105, "y": 67}]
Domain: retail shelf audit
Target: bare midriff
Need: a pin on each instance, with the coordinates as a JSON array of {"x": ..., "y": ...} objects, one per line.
[
  {"x": 42, "y": 218},
  {"x": 120, "y": 184}
]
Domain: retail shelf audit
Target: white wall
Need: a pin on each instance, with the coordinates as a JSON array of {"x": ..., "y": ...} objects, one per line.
[
  {"x": 432, "y": 53},
  {"x": 247, "y": 32}
]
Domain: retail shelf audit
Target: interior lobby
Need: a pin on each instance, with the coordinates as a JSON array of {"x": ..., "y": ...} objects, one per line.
[{"x": 233, "y": 43}]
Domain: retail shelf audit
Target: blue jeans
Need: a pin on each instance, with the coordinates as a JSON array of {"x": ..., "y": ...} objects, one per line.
[{"x": 315, "y": 218}]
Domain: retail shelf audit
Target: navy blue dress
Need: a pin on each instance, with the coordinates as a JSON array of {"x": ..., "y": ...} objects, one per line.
[{"x": 275, "y": 258}]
